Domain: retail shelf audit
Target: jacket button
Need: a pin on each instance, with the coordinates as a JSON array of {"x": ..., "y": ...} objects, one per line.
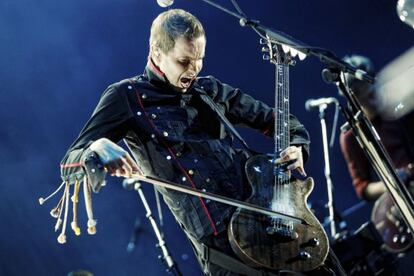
[
  {"x": 190, "y": 172},
  {"x": 183, "y": 178},
  {"x": 144, "y": 96},
  {"x": 168, "y": 157},
  {"x": 153, "y": 116},
  {"x": 207, "y": 180},
  {"x": 165, "y": 134},
  {"x": 129, "y": 87},
  {"x": 152, "y": 136},
  {"x": 178, "y": 154},
  {"x": 218, "y": 223},
  {"x": 139, "y": 113}
]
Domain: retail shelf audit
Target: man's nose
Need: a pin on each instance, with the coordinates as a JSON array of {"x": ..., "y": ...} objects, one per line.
[{"x": 195, "y": 66}]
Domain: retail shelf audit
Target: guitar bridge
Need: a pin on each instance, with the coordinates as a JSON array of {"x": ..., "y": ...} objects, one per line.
[{"x": 282, "y": 229}]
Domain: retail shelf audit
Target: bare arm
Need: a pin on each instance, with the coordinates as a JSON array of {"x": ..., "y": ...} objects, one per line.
[{"x": 374, "y": 190}]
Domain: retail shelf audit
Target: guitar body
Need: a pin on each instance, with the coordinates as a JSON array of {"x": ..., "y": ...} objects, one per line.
[
  {"x": 391, "y": 226},
  {"x": 275, "y": 243}
]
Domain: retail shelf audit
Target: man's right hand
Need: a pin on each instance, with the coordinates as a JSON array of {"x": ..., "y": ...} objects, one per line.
[{"x": 115, "y": 159}]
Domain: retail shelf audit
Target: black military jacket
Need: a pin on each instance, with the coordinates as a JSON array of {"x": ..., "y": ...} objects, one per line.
[{"x": 179, "y": 137}]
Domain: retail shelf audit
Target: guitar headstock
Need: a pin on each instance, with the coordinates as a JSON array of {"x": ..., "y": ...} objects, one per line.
[{"x": 278, "y": 53}]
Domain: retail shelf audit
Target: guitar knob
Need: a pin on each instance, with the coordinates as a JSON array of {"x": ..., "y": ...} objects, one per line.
[
  {"x": 314, "y": 242},
  {"x": 398, "y": 223},
  {"x": 303, "y": 255},
  {"x": 395, "y": 238}
]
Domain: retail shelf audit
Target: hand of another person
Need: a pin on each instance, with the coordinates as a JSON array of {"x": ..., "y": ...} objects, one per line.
[
  {"x": 115, "y": 159},
  {"x": 292, "y": 155}
]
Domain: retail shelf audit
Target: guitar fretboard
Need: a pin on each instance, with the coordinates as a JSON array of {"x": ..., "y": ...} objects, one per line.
[{"x": 281, "y": 135}]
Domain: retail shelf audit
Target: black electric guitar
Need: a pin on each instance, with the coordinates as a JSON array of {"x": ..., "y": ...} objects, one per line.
[
  {"x": 269, "y": 241},
  {"x": 388, "y": 221}
]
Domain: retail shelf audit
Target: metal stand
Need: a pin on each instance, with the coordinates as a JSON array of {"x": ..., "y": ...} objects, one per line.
[
  {"x": 171, "y": 265},
  {"x": 371, "y": 144},
  {"x": 329, "y": 186}
]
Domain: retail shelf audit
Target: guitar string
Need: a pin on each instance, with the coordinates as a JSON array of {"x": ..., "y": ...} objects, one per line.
[
  {"x": 276, "y": 111},
  {"x": 280, "y": 107},
  {"x": 283, "y": 133},
  {"x": 286, "y": 128},
  {"x": 275, "y": 199}
]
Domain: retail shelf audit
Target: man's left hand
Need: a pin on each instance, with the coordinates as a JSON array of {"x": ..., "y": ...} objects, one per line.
[{"x": 294, "y": 155}]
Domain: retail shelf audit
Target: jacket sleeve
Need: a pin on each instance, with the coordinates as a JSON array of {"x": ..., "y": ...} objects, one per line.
[
  {"x": 243, "y": 109},
  {"x": 358, "y": 165},
  {"x": 107, "y": 121}
]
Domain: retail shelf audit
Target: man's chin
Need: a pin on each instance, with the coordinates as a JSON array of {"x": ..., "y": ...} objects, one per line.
[{"x": 180, "y": 89}]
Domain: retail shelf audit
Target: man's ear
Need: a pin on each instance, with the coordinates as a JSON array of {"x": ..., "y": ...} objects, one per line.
[{"x": 155, "y": 53}]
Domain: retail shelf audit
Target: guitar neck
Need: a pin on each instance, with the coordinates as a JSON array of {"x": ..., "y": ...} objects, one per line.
[{"x": 281, "y": 124}]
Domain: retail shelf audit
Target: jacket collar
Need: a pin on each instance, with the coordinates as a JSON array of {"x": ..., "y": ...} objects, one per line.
[{"x": 155, "y": 75}]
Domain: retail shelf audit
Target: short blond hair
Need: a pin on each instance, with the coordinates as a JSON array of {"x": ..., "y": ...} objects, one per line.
[{"x": 170, "y": 25}]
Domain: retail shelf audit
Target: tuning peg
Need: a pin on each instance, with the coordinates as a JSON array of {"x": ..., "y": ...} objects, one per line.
[
  {"x": 263, "y": 41},
  {"x": 301, "y": 55},
  {"x": 266, "y": 57},
  {"x": 285, "y": 48},
  {"x": 293, "y": 52},
  {"x": 265, "y": 49}
]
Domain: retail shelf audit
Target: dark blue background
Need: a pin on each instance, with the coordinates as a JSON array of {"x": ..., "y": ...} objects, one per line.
[{"x": 58, "y": 56}]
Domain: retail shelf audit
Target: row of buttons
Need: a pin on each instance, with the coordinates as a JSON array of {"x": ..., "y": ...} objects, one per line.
[{"x": 178, "y": 154}]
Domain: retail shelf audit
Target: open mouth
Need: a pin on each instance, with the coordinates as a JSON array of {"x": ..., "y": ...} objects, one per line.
[{"x": 186, "y": 81}]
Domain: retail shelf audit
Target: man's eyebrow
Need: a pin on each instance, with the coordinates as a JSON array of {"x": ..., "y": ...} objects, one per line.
[{"x": 188, "y": 57}]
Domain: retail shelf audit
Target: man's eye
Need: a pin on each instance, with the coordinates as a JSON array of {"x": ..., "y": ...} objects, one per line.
[{"x": 184, "y": 62}]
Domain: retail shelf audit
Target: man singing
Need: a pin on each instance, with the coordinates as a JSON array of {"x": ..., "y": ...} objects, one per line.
[{"x": 172, "y": 122}]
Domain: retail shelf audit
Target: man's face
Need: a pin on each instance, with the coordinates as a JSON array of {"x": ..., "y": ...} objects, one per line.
[{"x": 182, "y": 63}]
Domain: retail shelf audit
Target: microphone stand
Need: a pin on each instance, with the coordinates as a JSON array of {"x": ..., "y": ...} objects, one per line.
[
  {"x": 329, "y": 187},
  {"x": 373, "y": 148},
  {"x": 172, "y": 267},
  {"x": 362, "y": 127}
]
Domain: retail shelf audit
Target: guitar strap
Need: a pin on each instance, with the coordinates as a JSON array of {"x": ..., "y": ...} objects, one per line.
[{"x": 224, "y": 120}]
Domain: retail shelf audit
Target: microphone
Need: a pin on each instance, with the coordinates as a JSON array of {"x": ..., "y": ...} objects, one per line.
[
  {"x": 313, "y": 103},
  {"x": 165, "y": 3}
]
